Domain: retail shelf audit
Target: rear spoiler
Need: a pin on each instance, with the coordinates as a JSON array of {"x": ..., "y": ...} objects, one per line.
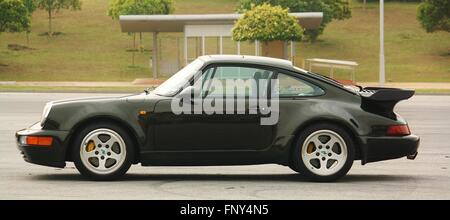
[{"x": 381, "y": 101}]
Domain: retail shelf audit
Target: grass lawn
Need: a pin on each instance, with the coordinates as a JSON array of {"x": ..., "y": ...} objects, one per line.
[
  {"x": 92, "y": 48},
  {"x": 433, "y": 91},
  {"x": 412, "y": 55}
]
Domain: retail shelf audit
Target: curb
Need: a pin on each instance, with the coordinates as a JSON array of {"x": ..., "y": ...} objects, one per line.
[{"x": 8, "y": 83}]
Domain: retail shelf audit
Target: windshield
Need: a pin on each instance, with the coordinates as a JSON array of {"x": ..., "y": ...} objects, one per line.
[{"x": 175, "y": 83}]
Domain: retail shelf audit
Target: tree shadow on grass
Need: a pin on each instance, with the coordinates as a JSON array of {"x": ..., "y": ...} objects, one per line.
[
  {"x": 18, "y": 47},
  {"x": 45, "y": 34}
]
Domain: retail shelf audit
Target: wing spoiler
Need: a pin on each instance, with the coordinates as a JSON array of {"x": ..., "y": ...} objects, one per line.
[{"x": 381, "y": 101}]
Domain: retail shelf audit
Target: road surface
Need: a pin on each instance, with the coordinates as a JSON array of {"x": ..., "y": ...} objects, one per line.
[{"x": 427, "y": 177}]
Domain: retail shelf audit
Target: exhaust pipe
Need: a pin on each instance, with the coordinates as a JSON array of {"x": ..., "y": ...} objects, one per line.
[{"x": 412, "y": 156}]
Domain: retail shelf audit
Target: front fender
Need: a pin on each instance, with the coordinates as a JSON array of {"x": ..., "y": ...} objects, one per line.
[{"x": 69, "y": 117}]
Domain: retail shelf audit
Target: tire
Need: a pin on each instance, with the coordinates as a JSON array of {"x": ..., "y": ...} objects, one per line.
[
  {"x": 330, "y": 160},
  {"x": 102, "y": 151}
]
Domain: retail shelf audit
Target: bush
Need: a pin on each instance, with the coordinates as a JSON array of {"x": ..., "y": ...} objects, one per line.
[
  {"x": 434, "y": 15},
  {"x": 332, "y": 9},
  {"x": 267, "y": 23}
]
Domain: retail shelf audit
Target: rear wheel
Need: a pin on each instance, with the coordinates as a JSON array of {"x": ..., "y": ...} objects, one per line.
[
  {"x": 323, "y": 152},
  {"x": 103, "y": 152}
]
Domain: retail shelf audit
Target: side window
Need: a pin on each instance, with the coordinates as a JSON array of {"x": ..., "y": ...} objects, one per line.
[
  {"x": 290, "y": 86},
  {"x": 228, "y": 81}
]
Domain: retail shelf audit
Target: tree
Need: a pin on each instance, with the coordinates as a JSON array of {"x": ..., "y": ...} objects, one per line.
[
  {"x": 52, "y": 6},
  {"x": 139, "y": 7},
  {"x": 267, "y": 23},
  {"x": 31, "y": 7},
  {"x": 434, "y": 15},
  {"x": 332, "y": 10},
  {"x": 14, "y": 16}
]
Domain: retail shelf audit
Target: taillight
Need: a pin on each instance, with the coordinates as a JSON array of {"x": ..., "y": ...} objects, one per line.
[
  {"x": 398, "y": 130},
  {"x": 39, "y": 141}
]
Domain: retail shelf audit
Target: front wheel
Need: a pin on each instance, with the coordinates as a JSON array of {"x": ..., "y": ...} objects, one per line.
[
  {"x": 103, "y": 152},
  {"x": 323, "y": 152}
]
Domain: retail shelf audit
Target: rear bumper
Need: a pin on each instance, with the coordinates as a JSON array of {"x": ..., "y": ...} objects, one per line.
[
  {"x": 53, "y": 156},
  {"x": 385, "y": 148}
]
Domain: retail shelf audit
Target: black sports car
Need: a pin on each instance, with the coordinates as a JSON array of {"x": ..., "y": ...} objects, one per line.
[{"x": 274, "y": 113}]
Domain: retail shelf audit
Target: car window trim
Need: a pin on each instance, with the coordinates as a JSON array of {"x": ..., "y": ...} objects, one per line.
[
  {"x": 302, "y": 78},
  {"x": 248, "y": 65},
  {"x": 209, "y": 85}
]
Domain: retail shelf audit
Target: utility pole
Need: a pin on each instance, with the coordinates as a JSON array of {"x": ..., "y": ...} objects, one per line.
[
  {"x": 382, "y": 67},
  {"x": 155, "y": 55}
]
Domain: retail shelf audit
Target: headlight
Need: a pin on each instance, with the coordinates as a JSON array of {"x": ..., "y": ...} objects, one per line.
[{"x": 45, "y": 113}]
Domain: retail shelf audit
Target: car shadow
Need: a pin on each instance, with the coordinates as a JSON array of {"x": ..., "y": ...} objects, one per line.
[{"x": 230, "y": 177}]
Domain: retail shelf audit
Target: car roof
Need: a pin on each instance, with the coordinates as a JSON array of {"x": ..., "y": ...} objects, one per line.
[{"x": 267, "y": 61}]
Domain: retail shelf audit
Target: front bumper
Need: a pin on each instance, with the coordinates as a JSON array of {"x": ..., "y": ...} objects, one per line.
[
  {"x": 53, "y": 155},
  {"x": 385, "y": 148}
]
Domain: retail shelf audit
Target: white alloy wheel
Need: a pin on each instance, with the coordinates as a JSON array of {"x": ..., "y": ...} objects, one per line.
[
  {"x": 103, "y": 151},
  {"x": 324, "y": 152}
]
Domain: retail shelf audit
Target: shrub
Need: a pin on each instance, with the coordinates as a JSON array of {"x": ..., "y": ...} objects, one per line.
[{"x": 267, "y": 23}]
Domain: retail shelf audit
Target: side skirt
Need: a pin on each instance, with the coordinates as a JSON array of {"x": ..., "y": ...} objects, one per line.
[{"x": 210, "y": 158}]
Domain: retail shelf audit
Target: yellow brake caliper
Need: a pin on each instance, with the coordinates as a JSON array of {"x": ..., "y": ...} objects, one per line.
[
  {"x": 90, "y": 147},
  {"x": 310, "y": 148}
]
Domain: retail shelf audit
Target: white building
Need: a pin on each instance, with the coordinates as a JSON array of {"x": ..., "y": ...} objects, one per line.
[{"x": 206, "y": 34}]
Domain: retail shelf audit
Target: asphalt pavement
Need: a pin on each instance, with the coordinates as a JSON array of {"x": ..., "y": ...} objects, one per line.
[{"x": 427, "y": 177}]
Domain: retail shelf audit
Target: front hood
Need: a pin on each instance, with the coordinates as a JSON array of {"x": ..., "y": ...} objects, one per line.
[
  {"x": 88, "y": 99},
  {"x": 130, "y": 98}
]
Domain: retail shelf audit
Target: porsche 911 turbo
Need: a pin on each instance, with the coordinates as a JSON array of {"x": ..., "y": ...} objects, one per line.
[{"x": 278, "y": 114}]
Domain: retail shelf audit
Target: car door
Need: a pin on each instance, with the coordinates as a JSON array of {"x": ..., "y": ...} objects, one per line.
[{"x": 240, "y": 129}]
